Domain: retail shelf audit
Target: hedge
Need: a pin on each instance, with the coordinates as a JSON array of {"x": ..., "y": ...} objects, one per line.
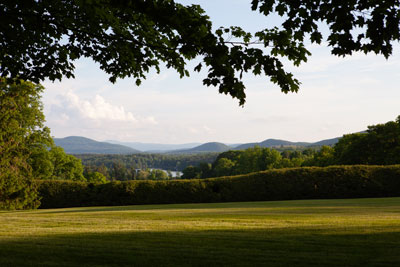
[{"x": 357, "y": 181}]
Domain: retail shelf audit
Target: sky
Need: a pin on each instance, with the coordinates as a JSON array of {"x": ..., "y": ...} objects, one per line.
[{"x": 337, "y": 96}]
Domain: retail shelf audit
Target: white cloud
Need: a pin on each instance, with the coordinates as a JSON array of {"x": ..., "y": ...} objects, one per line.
[
  {"x": 208, "y": 129},
  {"x": 68, "y": 113},
  {"x": 97, "y": 109},
  {"x": 192, "y": 130},
  {"x": 150, "y": 120}
]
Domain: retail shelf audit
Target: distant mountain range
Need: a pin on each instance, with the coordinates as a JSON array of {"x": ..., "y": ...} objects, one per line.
[
  {"x": 207, "y": 147},
  {"x": 153, "y": 147},
  {"x": 83, "y": 145},
  {"x": 272, "y": 143},
  {"x": 326, "y": 142},
  {"x": 283, "y": 143}
]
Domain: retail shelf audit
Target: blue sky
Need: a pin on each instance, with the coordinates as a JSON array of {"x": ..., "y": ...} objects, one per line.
[{"x": 337, "y": 96}]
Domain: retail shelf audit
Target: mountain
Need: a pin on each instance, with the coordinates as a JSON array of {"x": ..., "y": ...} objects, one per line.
[
  {"x": 207, "y": 147},
  {"x": 326, "y": 142},
  {"x": 245, "y": 146},
  {"x": 332, "y": 141},
  {"x": 277, "y": 143},
  {"x": 83, "y": 145},
  {"x": 153, "y": 147},
  {"x": 273, "y": 143}
]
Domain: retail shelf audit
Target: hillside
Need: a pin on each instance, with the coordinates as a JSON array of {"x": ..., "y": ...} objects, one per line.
[
  {"x": 277, "y": 143},
  {"x": 83, "y": 145},
  {"x": 207, "y": 147},
  {"x": 273, "y": 143},
  {"x": 326, "y": 142},
  {"x": 154, "y": 147}
]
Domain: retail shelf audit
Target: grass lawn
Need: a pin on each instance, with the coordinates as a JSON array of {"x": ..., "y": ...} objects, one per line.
[{"x": 356, "y": 232}]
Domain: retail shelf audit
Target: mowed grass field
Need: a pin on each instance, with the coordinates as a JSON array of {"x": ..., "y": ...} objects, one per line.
[{"x": 356, "y": 232}]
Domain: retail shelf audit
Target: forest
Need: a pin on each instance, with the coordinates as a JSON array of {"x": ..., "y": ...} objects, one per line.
[
  {"x": 379, "y": 145},
  {"x": 137, "y": 166}
]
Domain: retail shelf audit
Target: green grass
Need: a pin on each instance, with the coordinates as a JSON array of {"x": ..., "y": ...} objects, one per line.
[{"x": 357, "y": 232}]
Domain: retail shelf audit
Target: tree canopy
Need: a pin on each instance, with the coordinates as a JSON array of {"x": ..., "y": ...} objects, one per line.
[
  {"x": 380, "y": 145},
  {"x": 41, "y": 39},
  {"x": 21, "y": 132},
  {"x": 27, "y": 151}
]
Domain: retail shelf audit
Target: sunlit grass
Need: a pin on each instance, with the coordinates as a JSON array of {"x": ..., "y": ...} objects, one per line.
[{"x": 285, "y": 233}]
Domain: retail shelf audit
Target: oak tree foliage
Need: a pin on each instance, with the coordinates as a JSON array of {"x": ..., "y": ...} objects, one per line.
[
  {"x": 27, "y": 151},
  {"x": 41, "y": 39},
  {"x": 21, "y": 134},
  {"x": 379, "y": 145}
]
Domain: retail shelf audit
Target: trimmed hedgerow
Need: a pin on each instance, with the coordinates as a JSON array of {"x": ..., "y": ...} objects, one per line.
[{"x": 284, "y": 184}]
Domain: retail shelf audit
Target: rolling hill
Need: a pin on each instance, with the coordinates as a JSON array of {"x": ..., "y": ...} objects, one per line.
[
  {"x": 83, "y": 145},
  {"x": 207, "y": 147},
  {"x": 277, "y": 143},
  {"x": 273, "y": 143},
  {"x": 154, "y": 147},
  {"x": 326, "y": 142}
]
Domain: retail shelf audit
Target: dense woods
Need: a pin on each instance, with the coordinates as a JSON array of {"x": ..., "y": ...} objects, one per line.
[
  {"x": 379, "y": 145},
  {"x": 125, "y": 167}
]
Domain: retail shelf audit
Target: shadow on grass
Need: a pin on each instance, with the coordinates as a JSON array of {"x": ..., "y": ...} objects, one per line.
[{"x": 272, "y": 247}]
